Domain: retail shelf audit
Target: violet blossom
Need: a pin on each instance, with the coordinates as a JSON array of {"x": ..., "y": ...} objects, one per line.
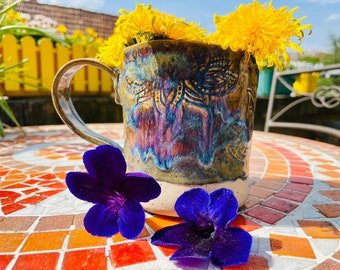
[
  {"x": 206, "y": 235},
  {"x": 116, "y": 194}
]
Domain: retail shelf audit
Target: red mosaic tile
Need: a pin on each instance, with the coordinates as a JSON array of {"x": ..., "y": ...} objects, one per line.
[
  {"x": 245, "y": 224},
  {"x": 5, "y": 260},
  {"x": 302, "y": 180},
  {"x": 30, "y": 191},
  {"x": 280, "y": 205},
  {"x": 11, "y": 208},
  {"x": 131, "y": 253},
  {"x": 303, "y": 188},
  {"x": 85, "y": 259},
  {"x": 291, "y": 246},
  {"x": 332, "y": 194},
  {"x": 265, "y": 214},
  {"x": 254, "y": 263},
  {"x": 329, "y": 265},
  {"x": 31, "y": 200},
  {"x": 7, "y": 197},
  {"x": 40, "y": 261},
  {"x": 291, "y": 195},
  {"x": 48, "y": 176},
  {"x": 330, "y": 210},
  {"x": 50, "y": 193}
]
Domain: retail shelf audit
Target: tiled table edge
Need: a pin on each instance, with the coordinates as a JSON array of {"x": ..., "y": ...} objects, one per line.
[{"x": 292, "y": 220}]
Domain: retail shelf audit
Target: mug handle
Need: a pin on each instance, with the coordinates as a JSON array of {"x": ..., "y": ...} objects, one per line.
[{"x": 63, "y": 103}]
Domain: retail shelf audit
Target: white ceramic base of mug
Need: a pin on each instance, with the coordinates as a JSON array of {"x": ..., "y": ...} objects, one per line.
[{"x": 164, "y": 204}]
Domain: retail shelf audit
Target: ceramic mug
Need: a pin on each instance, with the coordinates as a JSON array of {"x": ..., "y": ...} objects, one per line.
[{"x": 188, "y": 113}]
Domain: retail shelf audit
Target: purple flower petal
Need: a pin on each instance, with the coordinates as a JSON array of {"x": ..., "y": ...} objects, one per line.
[
  {"x": 187, "y": 237},
  {"x": 84, "y": 187},
  {"x": 131, "y": 219},
  {"x": 101, "y": 220},
  {"x": 192, "y": 205},
  {"x": 223, "y": 207},
  {"x": 105, "y": 163},
  {"x": 140, "y": 187},
  {"x": 231, "y": 247}
]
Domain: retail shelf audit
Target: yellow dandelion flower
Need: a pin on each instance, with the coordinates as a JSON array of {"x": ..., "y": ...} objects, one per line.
[
  {"x": 261, "y": 30},
  {"x": 78, "y": 33},
  {"x": 145, "y": 24},
  {"x": 61, "y": 28},
  {"x": 91, "y": 32}
]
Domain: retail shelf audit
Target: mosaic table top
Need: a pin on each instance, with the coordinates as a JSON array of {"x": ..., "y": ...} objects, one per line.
[{"x": 293, "y": 210}]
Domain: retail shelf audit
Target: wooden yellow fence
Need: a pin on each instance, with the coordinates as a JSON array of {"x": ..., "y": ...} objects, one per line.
[{"x": 44, "y": 60}]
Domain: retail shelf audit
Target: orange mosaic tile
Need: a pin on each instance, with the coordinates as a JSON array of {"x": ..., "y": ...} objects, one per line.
[
  {"x": 11, "y": 241},
  {"x": 333, "y": 183},
  {"x": 81, "y": 239},
  {"x": 254, "y": 263},
  {"x": 119, "y": 238},
  {"x": 333, "y": 174},
  {"x": 168, "y": 251},
  {"x": 319, "y": 229},
  {"x": 328, "y": 167},
  {"x": 332, "y": 194},
  {"x": 42, "y": 241},
  {"x": 269, "y": 185},
  {"x": 159, "y": 222},
  {"x": 89, "y": 259},
  {"x": 39, "y": 261},
  {"x": 131, "y": 253},
  {"x": 56, "y": 236},
  {"x": 291, "y": 246},
  {"x": 275, "y": 177},
  {"x": 330, "y": 210},
  {"x": 261, "y": 193}
]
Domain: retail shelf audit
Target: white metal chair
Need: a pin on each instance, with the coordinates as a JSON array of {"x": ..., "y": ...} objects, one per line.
[{"x": 321, "y": 97}]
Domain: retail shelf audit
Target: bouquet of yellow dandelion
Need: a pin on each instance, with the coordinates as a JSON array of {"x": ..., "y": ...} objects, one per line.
[{"x": 258, "y": 29}]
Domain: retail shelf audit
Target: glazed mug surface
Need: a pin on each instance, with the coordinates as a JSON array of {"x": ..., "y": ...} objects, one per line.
[{"x": 188, "y": 113}]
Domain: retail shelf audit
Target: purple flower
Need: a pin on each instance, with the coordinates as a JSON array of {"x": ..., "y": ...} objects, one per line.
[
  {"x": 115, "y": 193},
  {"x": 205, "y": 234}
]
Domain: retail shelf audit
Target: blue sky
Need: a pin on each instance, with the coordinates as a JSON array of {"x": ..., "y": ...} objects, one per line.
[{"x": 324, "y": 15}]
